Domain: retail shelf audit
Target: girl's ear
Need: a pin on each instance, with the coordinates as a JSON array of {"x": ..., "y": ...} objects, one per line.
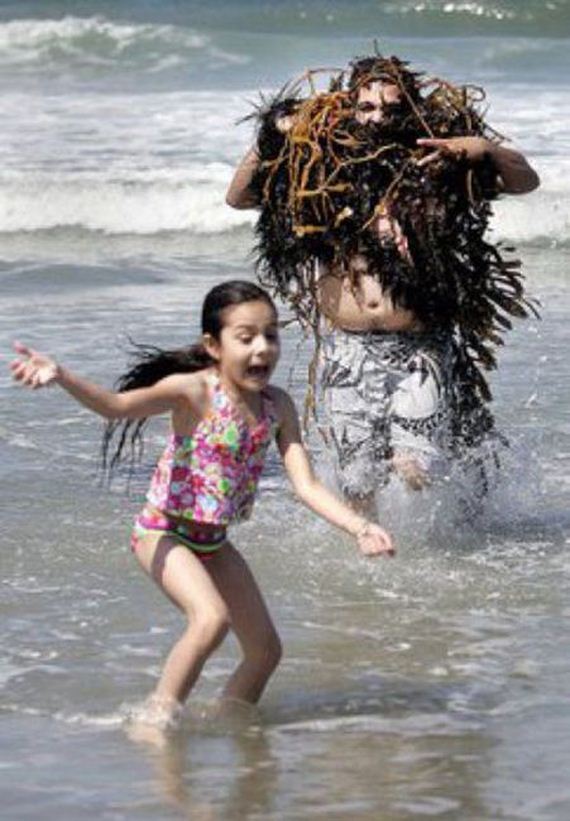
[{"x": 211, "y": 345}]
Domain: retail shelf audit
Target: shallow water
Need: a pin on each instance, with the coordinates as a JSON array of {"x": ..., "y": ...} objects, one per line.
[
  {"x": 430, "y": 685},
  {"x": 433, "y": 685}
]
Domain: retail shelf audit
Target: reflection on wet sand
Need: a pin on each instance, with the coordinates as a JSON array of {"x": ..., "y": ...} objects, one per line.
[
  {"x": 404, "y": 752},
  {"x": 234, "y": 773}
]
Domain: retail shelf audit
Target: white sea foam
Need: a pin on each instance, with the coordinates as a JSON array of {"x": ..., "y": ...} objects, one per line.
[
  {"x": 119, "y": 207},
  {"x": 542, "y": 220},
  {"x": 446, "y": 7},
  {"x": 97, "y": 41},
  {"x": 121, "y": 164},
  {"x": 435, "y": 724},
  {"x": 110, "y": 721},
  {"x": 144, "y": 164},
  {"x": 193, "y": 200}
]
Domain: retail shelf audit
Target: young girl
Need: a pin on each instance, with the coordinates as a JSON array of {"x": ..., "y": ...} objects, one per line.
[{"x": 224, "y": 414}]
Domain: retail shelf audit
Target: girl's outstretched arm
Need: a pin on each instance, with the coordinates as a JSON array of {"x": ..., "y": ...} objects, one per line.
[
  {"x": 372, "y": 539},
  {"x": 37, "y": 370}
]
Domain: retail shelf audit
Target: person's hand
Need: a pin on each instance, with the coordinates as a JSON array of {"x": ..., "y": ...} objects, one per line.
[
  {"x": 284, "y": 123},
  {"x": 373, "y": 540},
  {"x": 32, "y": 368},
  {"x": 411, "y": 470},
  {"x": 473, "y": 149}
]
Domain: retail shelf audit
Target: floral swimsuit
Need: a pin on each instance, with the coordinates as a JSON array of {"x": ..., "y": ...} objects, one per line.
[{"x": 210, "y": 477}]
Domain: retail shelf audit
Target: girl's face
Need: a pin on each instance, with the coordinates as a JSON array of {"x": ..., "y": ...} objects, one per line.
[{"x": 248, "y": 348}]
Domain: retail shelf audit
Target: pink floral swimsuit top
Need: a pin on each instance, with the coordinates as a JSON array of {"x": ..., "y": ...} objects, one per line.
[{"x": 211, "y": 476}]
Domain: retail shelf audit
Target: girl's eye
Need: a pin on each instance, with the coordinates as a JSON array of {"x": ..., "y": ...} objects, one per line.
[{"x": 245, "y": 339}]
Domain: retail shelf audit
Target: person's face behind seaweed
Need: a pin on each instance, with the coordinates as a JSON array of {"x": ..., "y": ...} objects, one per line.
[
  {"x": 384, "y": 94},
  {"x": 375, "y": 100}
]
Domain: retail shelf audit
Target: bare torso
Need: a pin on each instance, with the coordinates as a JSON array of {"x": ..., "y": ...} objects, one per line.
[{"x": 362, "y": 306}]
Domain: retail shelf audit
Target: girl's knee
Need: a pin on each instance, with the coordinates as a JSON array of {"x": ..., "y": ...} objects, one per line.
[{"x": 211, "y": 624}]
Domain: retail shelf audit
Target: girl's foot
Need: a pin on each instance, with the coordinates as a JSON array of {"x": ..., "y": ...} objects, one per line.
[
  {"x": 142, "y": 733},
  {"x": 150, "y": 721}
]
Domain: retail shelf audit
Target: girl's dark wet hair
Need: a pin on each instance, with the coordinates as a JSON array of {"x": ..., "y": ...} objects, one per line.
[{"x": 150, "y": 364}]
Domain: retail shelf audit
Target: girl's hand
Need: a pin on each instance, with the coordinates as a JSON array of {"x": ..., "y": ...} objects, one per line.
[
  {"x": 373, "y": 540},
  {"x": 34, "y": 369}
]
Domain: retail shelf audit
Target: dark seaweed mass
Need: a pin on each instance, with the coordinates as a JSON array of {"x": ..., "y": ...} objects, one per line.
[{"x": 323, "y": 183}]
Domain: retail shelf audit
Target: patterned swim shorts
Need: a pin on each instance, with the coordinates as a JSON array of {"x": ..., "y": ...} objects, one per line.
[
  {"x": 203, "y": 542},
  {"x": 385, "y": 394}
]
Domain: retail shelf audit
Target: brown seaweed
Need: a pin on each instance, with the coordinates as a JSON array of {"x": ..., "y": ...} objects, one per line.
[{"x": 323, "y": 183}]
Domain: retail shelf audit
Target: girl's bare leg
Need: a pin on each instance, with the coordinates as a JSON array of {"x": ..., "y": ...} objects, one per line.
[
  {"x": 251, "y": 622},
  {"x": 185, "y": 580}
]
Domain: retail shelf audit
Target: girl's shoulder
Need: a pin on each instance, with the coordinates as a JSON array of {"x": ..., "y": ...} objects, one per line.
[
  {"x": 286, "y": 416},
  {"x": 275, "y": 394},
  {"x": 195, "y": 388},
  {"x": 280, "y": 400}
]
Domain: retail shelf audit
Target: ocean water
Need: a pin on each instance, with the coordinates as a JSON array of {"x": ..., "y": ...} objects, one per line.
[{"x": 434, "y": 685}]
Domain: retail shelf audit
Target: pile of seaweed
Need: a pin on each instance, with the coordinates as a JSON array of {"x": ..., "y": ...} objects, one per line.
[{"x": 325, "y": 180}]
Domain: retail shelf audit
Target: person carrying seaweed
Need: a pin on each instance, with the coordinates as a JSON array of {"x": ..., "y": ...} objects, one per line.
[{"x": 374, "y": 200}]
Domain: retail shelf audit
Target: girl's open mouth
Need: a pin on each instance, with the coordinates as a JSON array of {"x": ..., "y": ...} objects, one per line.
[{"x": 258, "y": 371}]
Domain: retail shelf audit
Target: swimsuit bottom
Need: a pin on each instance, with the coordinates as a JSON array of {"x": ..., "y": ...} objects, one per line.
[{"x": 202, "y": 541}]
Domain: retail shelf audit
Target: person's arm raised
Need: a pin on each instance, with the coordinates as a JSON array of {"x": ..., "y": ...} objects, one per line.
[
  {"x": 37, "y": 370},
  {"x": 239, "y": 194},
  {"x": 516, "y": 174},
  {"x": 372, "y": 539}
]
